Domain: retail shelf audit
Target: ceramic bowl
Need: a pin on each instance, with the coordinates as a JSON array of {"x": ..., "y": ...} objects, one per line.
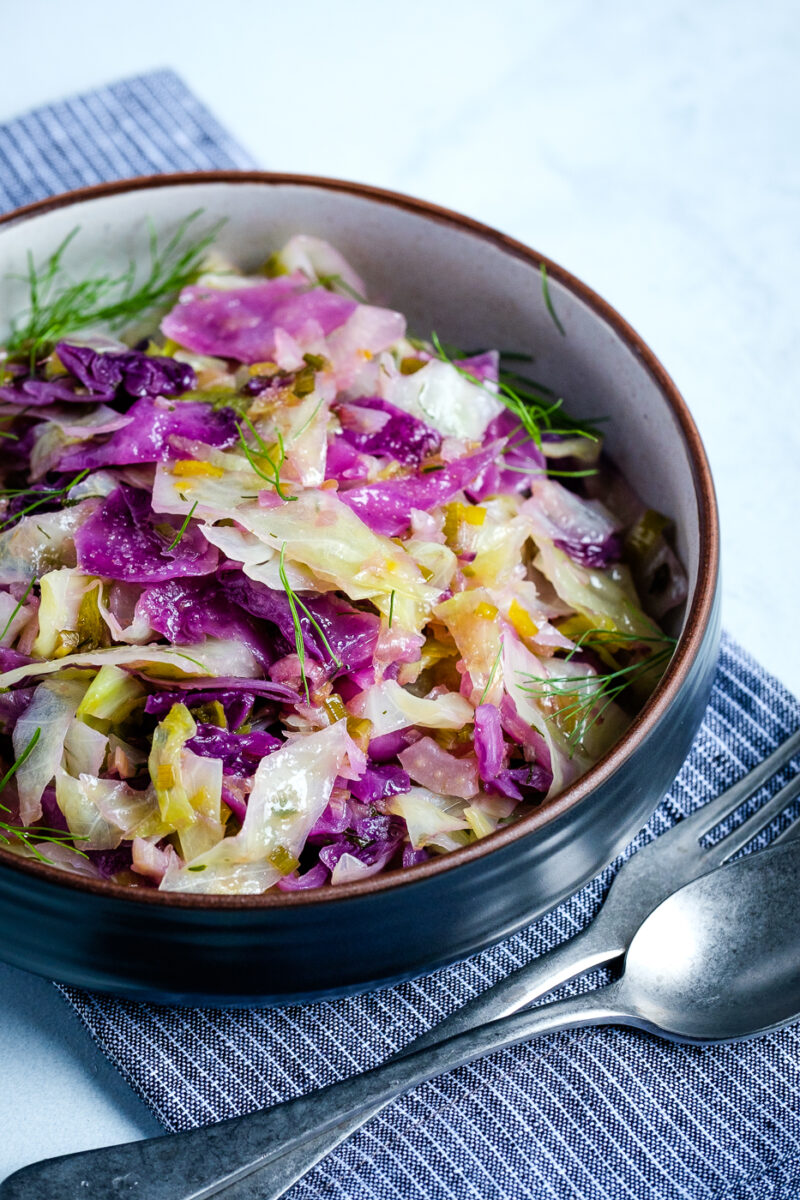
[{"x": 476, "y": 287}]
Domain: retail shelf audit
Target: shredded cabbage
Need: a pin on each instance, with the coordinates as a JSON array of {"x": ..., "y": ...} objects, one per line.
[
  {"x": 291, "y": 790},
  {"x": 290, "y": 597},
  {"x": 445, "y": 398},
  {"x": 50, "y": 712}
]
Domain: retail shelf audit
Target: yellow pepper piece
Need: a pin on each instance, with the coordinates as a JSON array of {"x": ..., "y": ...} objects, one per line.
[
  {"x": 283, "y": 860},
  {"x": 334, "y": 708},
  {"x": 165, "y": 775},
  {"x": 169, "y": 738},
  {"x": 67, "y": 642},
  {"x": 410, "y": 366},
  {"x": 521, "y": 620},
  {"x": 210, "y": 713},
  {"x": 480, "y": 824},
  {"x": 190, "y": 466},
  {"x": 54, "y": 367},
  {"x": 360, "y": 730},
  {"x": 487, "y": 611},
  {"x": 456, "y": 514}
]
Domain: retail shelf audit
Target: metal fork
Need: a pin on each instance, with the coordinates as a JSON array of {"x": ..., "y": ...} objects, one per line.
[
  {"x": 243, "y": 1158},
  {"x": 640, "y": 885}
]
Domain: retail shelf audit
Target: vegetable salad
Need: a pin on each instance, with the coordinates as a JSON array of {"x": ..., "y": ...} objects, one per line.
[{"x": 288, "y": 596}]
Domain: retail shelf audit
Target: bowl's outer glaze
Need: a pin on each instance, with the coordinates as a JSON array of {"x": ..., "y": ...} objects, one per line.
[{"x": 476, "y": 288}]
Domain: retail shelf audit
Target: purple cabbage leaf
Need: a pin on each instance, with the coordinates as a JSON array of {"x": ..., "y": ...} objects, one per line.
[
  {"x": 147, "y": 438},
  {"x": 187, "y": 610},
  {"x": 240, "y": 752},
  {"x": 240, "y": 323},
  {"x": 120, "y": 540},
  {"x": 351, "y": 635},
  {"x": 386, "y": 507},
  {"x": 374, "y": 426},
  {"x": 132, "y": 372}
]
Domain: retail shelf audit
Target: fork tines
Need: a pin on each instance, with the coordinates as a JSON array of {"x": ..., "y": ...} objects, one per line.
[{"x": 726, "y": 804}]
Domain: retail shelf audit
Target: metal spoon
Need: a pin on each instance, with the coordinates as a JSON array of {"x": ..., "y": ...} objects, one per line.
[{"x": 719, "y": 960}]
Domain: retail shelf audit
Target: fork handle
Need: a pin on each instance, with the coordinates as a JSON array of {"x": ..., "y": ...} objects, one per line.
[
  {"x": 598, "y": 943},
  {"x": 207, "y": 1162}
]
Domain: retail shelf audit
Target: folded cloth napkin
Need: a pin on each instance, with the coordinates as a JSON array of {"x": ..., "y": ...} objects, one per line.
[
  {"x": 588, "y": 1114},
  {"x": 143, "y": 126}
]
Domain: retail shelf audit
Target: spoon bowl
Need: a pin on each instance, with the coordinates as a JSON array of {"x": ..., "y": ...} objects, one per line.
[{"x": 719, "y": 960}]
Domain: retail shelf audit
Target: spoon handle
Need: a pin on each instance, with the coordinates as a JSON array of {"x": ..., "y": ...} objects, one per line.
[
  {"x": 598, "y": 943},
  {"x": 204, "y": 1162}
]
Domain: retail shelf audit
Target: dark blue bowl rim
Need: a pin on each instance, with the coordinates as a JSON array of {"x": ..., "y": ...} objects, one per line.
[{"x": 656, "y": 708}]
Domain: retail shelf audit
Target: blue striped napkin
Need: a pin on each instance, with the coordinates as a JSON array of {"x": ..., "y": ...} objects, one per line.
[
  {"x": 590, "y": 1114},
  {"x": 143, "y": 126}
]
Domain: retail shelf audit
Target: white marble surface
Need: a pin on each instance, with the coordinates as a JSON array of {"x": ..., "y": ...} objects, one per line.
[{"x": 651, "y": 149}]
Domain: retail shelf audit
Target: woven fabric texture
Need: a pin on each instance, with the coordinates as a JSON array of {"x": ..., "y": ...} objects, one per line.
[
  {"x": 590, "y": 1114},
  {"x": 143, "y": 126}
]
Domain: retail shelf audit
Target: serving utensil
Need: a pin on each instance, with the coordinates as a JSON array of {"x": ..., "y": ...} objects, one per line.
[
  {"x": 642, "y": 882},
  {"x": 683, "y": 979}
]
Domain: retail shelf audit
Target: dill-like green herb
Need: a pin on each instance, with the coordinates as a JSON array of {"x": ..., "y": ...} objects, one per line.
[
  {"x": 20, "y": 603},
  {"x": 391, "y": 608},
  {"x": 549, "y": 303},
  {"x": 22, "y": 833},
  {"x": 183, "y": 527},
  {"x": 531, "y": 392},
  {"x": 585, "y": 692},
  {"x": 317, "y": 628},
  {"x": 333, "y": 281},
  {"x": 299, "y": 644},
  {"x": 599, "y": 637},
  {"x": 528, "y": 414},
  {"x": 44, "y": 497},
  {"x": 492, "y": 674},
  {"x": 188, "y": 657},
  {"x": 15, "y": 766},
  {"x": 294, "y": 603},
  {"x": 12, "y": 416},
  {"x": 299, "y": 432},
  {"x": 274, "y": 478},
  {"x": 59, "y": 307},
  {"x": 577, "y": 474},
  {"x": 530, "y": 408},
  {"x": 40, "y": 833}
]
